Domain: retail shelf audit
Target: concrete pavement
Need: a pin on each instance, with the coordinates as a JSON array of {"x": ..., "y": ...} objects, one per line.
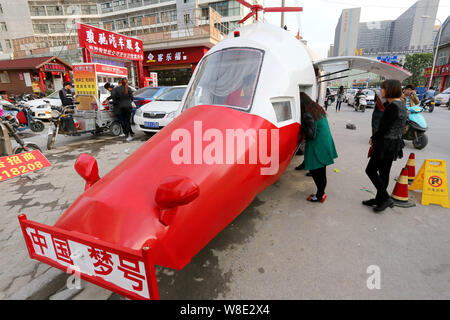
[{"x": 281, "y": 247}]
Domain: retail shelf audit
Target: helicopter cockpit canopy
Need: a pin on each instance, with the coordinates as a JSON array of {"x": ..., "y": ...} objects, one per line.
[{"x": 227, "y": 78}]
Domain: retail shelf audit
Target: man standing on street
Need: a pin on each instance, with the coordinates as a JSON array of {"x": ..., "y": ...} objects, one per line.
[{"x": 65, "y": 94}]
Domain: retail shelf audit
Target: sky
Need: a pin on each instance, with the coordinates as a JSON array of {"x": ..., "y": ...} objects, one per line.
[{"x": 320, "y": 17}]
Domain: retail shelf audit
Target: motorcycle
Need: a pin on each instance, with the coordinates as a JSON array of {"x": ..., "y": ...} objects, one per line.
[
  {"x": 428, "y": 104},
  {"x": 7, "y": 123},
  {"x": 415, "y": 128},
  {"x": 26, "y": 121},
  {"x": 361, "y": 104}
]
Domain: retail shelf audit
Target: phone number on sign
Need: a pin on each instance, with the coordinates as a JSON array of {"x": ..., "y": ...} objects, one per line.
[{"x": 21, "y": 170}]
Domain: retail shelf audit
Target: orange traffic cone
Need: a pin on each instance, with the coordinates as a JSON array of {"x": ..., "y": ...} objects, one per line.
[
  {"x": 400, "y": 193},
  {"x": 411, "y": 166}
]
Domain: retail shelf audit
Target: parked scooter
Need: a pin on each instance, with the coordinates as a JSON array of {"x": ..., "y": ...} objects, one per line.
[
  {"x": 26, "y": 121},
  {"x": 361, "y": 104},
  {"x": 8, "y": 129},
  {"x": 60, "y": 116},
  {"x": 415, "y": 128},
  {"x": 428, "y": 104}
]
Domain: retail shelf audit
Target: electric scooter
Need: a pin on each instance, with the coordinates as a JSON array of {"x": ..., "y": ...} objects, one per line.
[
  {"x": 362, "y": 104},
  {"x": 428, "y": 104},
  {"x": 415, "y": 128}
]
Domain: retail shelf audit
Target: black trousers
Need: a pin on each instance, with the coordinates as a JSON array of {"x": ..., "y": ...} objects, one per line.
[
  {"x": 125, "y": 120},
  {"x": 378, "y": 170},
  {"x": 338, "y": 105},
  {"x": 320, "y": 179}
]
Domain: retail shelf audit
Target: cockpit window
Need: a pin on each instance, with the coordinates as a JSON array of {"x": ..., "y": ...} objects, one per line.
[{"x": 228, "y": 78}]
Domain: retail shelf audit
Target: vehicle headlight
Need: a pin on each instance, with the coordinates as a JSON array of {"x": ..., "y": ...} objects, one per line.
[
  {"x": 55, "y": 114},
  {"x": 171, "y": 115},
  {"x": 139, "y": 112}
]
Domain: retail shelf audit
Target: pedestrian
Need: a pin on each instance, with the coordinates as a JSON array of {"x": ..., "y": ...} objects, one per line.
[
  {"x": 340, "y": 98},
  {"x": 430, "y": 93},
  {"x": 123, "y": 97},
  {"x": 386, "y": 144},
  {"x": 377, "y": 111},
  {"x": 65, "y": 94},
  {"x": 320, "y": 150},
  {"x": 409, "y": 96}
]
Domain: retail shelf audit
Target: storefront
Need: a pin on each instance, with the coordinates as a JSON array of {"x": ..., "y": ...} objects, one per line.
[
  {"x": 441, "y": 77},
  {"x": 173, "y": 66},
  {"x": 33, "y": 75}
]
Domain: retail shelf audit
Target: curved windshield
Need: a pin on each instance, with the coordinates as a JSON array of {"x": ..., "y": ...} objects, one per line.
[
  {"x": 146, "y": 93},
  {"x": 227, "y": 77},
  {"x": 172, "y": 94}
]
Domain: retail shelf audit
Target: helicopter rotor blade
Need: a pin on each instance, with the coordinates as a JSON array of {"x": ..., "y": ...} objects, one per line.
[
  {"x": 283, "y": 9},
  {"x": 247, "y": 16},
  {"x": 244, "y": 3}
]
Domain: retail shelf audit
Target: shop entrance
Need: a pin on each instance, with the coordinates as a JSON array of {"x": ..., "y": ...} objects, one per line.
[{"x": 173, "y": 77}]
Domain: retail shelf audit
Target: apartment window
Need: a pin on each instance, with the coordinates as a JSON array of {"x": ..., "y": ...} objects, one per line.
[
  {"x": 442, "y": 58},
  {"x": 119, "y": 4},
  {"x": 1, "y": 9},
  {"x": 58, "y": 28},
  {"x": 72, "y": 10},
  {"x": 40, "y": 28},
  {"x": 109, "y": 25},
  {"x": 54, "y": 11},
  {"x": 187, "y": 18},
  {"x": 89, "y": 9},
  {"x": 37, "y": 11},
  {"x": 122, "y": 24},
  {"x": 136, "y": 22},
  {"x": 1, "y": 47},
  {"x": 134, "y": 3},
  {"x": 4, "y": 77},
  {"x": 8, "y": 44},
  {"x": 107, "y": 7},
  {"x": 227, "y": 8},
  {"x": 3, "y": 26}
]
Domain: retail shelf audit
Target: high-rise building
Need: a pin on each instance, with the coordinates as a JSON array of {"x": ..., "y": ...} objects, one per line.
[
  {"x": 346, "y": 33},
  {"x": 412, "y": 31}
]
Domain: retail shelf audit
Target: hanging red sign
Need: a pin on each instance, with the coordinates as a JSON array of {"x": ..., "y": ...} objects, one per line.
[
  {"x": 54, "y": 67},
  {"x": 107, "y": 43}
]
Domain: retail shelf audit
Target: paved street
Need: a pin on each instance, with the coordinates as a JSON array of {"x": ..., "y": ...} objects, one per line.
[{"x": 281, "y": 247}]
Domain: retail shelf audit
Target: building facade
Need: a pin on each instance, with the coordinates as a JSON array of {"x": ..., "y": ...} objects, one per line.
[
  {"x": 441, "y": 76},
  {"x": 48, "y": 27},
  {"x": 346, "y": 33},
  {"x": 413, "y": 31}
]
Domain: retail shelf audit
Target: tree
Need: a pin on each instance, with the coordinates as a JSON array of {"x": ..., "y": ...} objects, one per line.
[{"x": 416, "y": 64}]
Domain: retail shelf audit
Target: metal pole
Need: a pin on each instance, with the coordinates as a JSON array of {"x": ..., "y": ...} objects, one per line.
[
  {"x": 435, "y": 55},
  {"x": 283, "y": 2}
]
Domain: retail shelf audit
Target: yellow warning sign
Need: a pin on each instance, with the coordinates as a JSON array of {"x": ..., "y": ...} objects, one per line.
[{"x": 432, "y": 180}]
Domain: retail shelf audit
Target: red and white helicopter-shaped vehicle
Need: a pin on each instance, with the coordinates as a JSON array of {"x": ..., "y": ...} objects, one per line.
[{"x": 236, "y": 133}]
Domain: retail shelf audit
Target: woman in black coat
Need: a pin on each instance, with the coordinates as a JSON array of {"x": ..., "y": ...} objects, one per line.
[
  {"x": 123, "y": 98},
  {"x": 387, "y": 144}
]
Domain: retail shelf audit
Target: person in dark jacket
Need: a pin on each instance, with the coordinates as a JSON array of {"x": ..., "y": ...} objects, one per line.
[
  {"x": 377, "y": 111},
  {"x": 65, "y": 94},
  {"x": 320, "y": 150},
  {"x": 123, "y": 97},
  {"x": 387, "y": 144}
]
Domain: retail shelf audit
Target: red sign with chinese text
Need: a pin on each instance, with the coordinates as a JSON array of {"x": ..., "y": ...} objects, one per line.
[
  {"x": 54, "y": 67},
  {"x": 439, "y": 71},
  {"x": 113, "y": 70},
  {"x": 107, "y": 43},
  {"x": 18, "y": 164},
  {"x": 174, "y": 56}
]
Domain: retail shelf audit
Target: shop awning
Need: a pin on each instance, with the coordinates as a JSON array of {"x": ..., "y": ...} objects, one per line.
[
  {"x": 31, "y": 63},
  {"x": 341, "y": 64}
]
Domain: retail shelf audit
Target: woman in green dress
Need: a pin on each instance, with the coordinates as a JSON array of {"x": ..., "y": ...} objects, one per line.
[{"x": 320, "y": 151}]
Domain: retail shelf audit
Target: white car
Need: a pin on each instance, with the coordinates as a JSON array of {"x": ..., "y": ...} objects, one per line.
[
  {"x": 41, "y": 108},
  {"x": 370, "y": 97},
  {"x": 350, "y": 96},
  {"x": 442, "y": 98},
  {"x": 155, "y": 115}
]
